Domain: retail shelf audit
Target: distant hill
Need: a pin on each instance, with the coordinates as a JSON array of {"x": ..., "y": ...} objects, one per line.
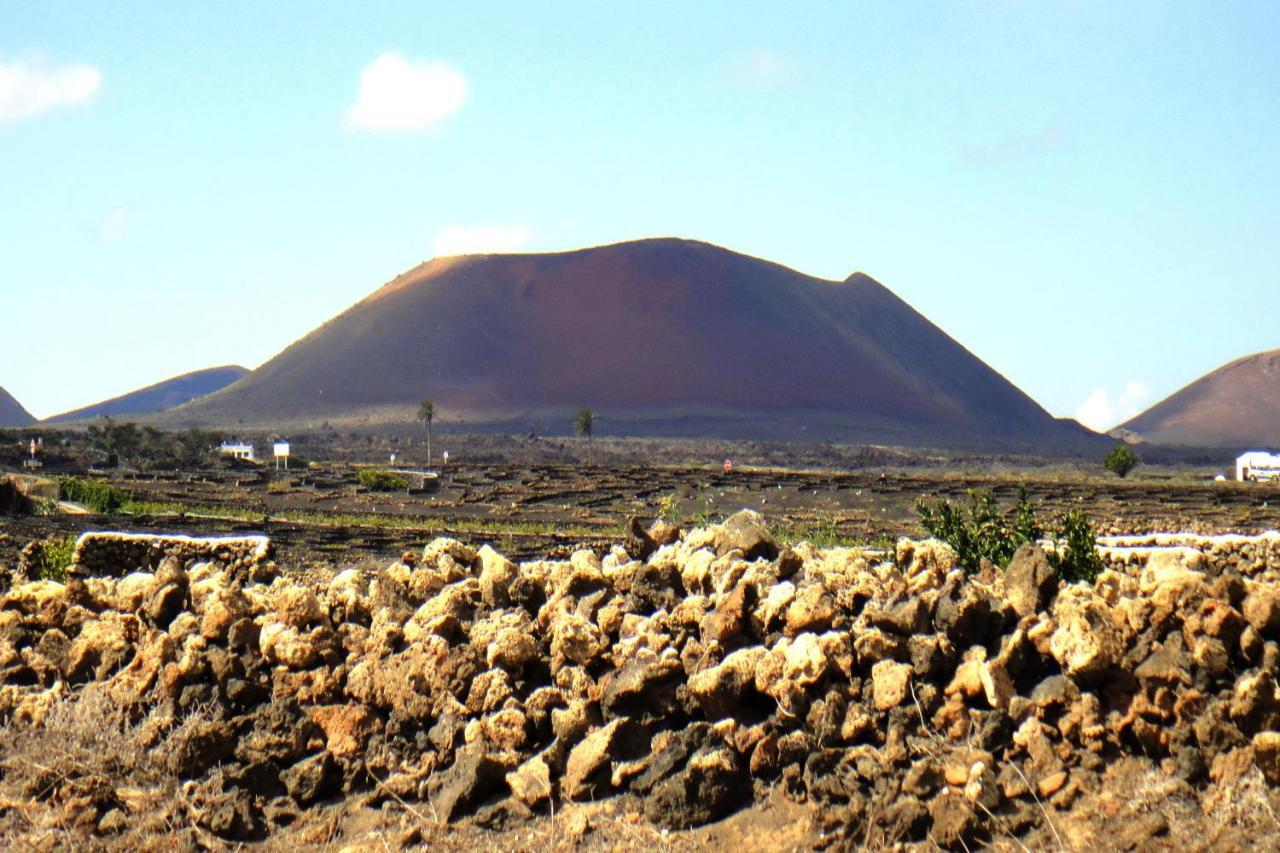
[
  {"x": 659, "y": 337},
  {"x": 11, "y": 412},
  {"x": 158, "y": 397},
  {"x": 1237, "y": 405}
]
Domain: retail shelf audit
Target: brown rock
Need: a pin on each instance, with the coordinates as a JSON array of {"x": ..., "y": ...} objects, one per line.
[
  {"x": 575, "y": 640},
  {"x": 497, "y": 574},
  {"x": 1266, "y": 754},
  {"x": 730, "y": 615},
  {"x": 587, "y": 768},
  {"x": 298, "y": 606},
  {"x": 746, "y": 531},
  {"x": 1051, "y": 784},
  {"x": 530, "y": 783},
  {"x": 1086, "y": 641},
  {"x": 1262, "y": 610},
  {"x": 812, "y": 610},
  {"x": 721, "y": 689},
  {"x": 1030, "y": 581},
  {"x": 889, "y": 683},
  {"x": 997, "y": 685},
  {"x": 347, "y": 728}
]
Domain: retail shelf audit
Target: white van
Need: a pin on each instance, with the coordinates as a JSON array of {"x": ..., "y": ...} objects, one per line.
[{"x": 1258, "y": 466}]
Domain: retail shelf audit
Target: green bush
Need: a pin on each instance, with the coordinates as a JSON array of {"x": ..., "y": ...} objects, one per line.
[
  {"x": 1120, "y": 460},
  {"x": 982, "y": 531},
  {"x": 382, "y": 481},
  {"x": 1076, "y": 558},
  {"x": 53, "y": 558},
  {"x": 669, "y": 508},
  {"x": 98, "y": 497}
]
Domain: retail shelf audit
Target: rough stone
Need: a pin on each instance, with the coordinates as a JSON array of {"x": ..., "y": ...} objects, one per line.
[
  {"x": 530, "y": 783},
  {"x": 474, "y": 776},
  {"x": 746, "y": 531},
  {"x": 347, "y": 728},
  {"x": 721, "y": 689},
  {"x": 1030, "y": 580},
  {"x": 311, "y": 779},
  {"x": 586, "y": 771},
  {"x": 890, "y": 682},
  {"x": 1262, "y": 610},
  {"x": 709, "y": 786},
  {"x": 1086, "y": 641},
  {"x": 497, "y": 574}
]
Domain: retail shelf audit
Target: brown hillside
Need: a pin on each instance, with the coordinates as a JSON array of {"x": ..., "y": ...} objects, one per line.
[
  {"x": 11, "y": 412},
  {"x": 157, "y": 397},
  {"x": 1237, "y": 405},
  {"x": 658, "y": 336}
]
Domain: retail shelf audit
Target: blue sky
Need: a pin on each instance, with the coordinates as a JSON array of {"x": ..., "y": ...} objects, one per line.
[{"x": 1085, "y": 194}]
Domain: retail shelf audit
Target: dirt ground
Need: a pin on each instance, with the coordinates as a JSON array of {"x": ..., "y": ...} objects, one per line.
[{"x": 323, "y": 519}]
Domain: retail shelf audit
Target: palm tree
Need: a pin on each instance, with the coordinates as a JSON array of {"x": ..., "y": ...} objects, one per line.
[
  {"x": 426, "y": 414},
  {"x": 583, "y": 425}
]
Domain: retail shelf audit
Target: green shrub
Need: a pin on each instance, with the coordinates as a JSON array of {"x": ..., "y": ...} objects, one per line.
[
  {"x": 98, "y": 497},
  {"x": 53, "y": 557},
  {"x": 1120, "y": 460},
  {"x": 382, "y": 481},
  {"x": 669, "y": 508},
  {"x": 980, "y": 530},
  {"x": 1076, "y": 558}
]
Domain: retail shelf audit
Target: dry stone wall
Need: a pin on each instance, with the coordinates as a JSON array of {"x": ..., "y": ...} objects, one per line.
[
  {"x": 116, "y": 554},
  {"x": 694, "y": 671},
  {"x": 1252, "y": 556}
]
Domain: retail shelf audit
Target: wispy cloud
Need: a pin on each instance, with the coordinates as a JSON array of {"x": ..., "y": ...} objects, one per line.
[
  {"x": 760, "y": 69},
  {"x": 114, "y": 223},
  {"x": 1017, "y": 146},
  {"x": 399, "y": 95},
  {"x": 480, "y": 239},
  {"x": 1103, "y": 409},
  {"x": 29, "y": 87}
]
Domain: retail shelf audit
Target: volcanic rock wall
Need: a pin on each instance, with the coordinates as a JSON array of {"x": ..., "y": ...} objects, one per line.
[
  {"x": 1252, "y": 556},
  {"x": 116, "y": 554},
  {"x": 693, "y": 671}
]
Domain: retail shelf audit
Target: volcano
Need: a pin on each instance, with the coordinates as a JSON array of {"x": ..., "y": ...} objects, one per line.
[
  {"x": 1237, "y": 405},
  {"x": 157, "y": 397},
  {"x": 11, "y": 412},
  {"x": 658, "y": 337}
]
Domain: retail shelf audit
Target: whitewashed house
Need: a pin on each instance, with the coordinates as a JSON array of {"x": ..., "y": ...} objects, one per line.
[
  {"x": 1258, "y": 465},
  {"x": 237, "y": 450}
]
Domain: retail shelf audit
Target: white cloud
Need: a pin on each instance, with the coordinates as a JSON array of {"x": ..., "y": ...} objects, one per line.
[
  {"x": 760, "y": 69},
  {"x": 399, "y": 95},
  {"x": 1103, "y": 410},
  {"x": 113, "y": 223},
  {"x": 480, "y": 239},
  {"x": 29, "y": 87}
]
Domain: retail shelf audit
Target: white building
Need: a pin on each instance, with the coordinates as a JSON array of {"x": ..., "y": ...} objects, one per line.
[
  {"x": 1258, "y": 465},
  {"x": 237, "y": 450}
]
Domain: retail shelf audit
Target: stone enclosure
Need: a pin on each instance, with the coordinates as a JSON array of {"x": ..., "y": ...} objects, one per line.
[{"x": 691, "y": 670}]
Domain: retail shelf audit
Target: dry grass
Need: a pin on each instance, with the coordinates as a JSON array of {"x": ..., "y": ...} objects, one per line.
[
  {"x": 1248, "y": 804},
  {"x": 87, "y": 759}
]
